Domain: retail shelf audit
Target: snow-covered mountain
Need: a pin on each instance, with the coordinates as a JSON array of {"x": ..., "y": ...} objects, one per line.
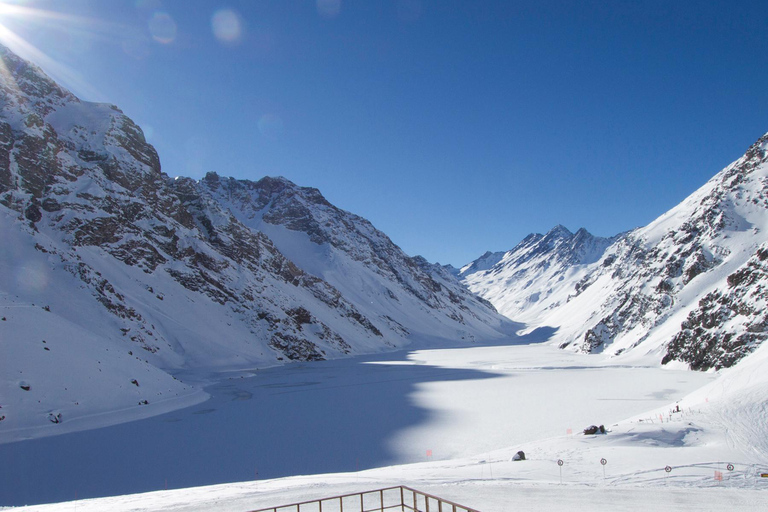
[
  {"x": 538, "y": 275},
  {"x": 112, "y": 272},
  {"x": 689, "y": 287},
  {"x": 401, "y": 293}
]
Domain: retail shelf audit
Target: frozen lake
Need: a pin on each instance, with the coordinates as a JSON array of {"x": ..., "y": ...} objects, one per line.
[{"x": 341, "y": 416}]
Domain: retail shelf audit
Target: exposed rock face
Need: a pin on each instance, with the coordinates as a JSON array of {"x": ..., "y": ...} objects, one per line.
[
  {"x": 183, "y": 269},
  {"x": 356, "y": 258},
  {"x": 727, "y": 324},
  {"x": 698, "y": 270},
  {"x": 661, "y": 269}
]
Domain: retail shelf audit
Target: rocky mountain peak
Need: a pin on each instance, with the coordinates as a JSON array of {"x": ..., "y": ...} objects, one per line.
[
  {"x": 530, "y": 279},
  {"x": 559, "y": 231},
  {"x": 54, "y": 139},
  {"x": 25, "y": 81},
  {"x": 756, "y": 154},
  {"x": 484, "y": 262}
]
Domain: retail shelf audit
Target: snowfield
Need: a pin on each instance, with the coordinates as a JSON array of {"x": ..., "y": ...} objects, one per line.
[{"x": 472, "y": 408}]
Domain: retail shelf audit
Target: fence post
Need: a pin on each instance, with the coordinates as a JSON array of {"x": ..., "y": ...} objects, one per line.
[{"x": 402, "y": 499}]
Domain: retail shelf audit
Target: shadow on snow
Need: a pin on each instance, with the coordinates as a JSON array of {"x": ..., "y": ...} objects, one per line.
[{"x": 328, "y": 416}]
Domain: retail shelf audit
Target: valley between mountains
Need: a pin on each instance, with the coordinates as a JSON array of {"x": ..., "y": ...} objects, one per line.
[{"x": 127, "y": 295}]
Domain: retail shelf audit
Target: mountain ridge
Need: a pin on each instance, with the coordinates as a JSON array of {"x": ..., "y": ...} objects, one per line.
[
  {"x": 524, "y": 282},
  {"x": 166, "y": 275},
  {"x": 674, "y": 290}
]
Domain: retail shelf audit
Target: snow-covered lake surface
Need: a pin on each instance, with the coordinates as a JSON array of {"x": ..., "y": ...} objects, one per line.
[{"x": 351, "y": 415}]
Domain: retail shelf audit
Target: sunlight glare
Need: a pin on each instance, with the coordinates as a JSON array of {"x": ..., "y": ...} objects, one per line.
[{"x": 17, "y": 20}]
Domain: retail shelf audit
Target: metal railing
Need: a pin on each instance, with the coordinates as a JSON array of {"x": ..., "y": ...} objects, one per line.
[{"x": 400, "y": 498}]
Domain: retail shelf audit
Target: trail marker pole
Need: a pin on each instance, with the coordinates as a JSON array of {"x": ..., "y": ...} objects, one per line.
[
  {"x": 560, "y": 465},
  {"x": 603, "y": 462}
]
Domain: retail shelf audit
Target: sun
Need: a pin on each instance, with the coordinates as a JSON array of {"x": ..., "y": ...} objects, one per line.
[
  {"x": 8, "y": 10},
  {"x": 13, "y": 9},
  {"x": 25, "y": 30},
  {"x": 13, "y": 16}
]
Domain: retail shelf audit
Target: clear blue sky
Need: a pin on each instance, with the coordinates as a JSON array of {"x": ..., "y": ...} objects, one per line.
[{"x": 456, "y": 127}]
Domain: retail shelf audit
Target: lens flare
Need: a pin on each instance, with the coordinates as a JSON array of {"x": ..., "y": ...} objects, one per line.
[
  {"x": 329, "y": 8},
  {"x": 227, "y": 26},
  {"x": 32, "y": 277},
  {"x": 162, "y": 27}
]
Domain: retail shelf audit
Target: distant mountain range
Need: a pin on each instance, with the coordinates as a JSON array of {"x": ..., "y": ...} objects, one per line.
[
  {"x": 690, "y": 287},
  {"x": 529, "y": 280}
]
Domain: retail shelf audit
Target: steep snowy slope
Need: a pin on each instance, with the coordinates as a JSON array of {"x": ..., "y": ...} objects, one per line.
[
  {"x": 484, "y": 262},
  {"x": 401, "y": 293},
  {"x": 538, "y": 275},
  {"x": 155, "y": 268},
  {"x": 689, "y": 287}
]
